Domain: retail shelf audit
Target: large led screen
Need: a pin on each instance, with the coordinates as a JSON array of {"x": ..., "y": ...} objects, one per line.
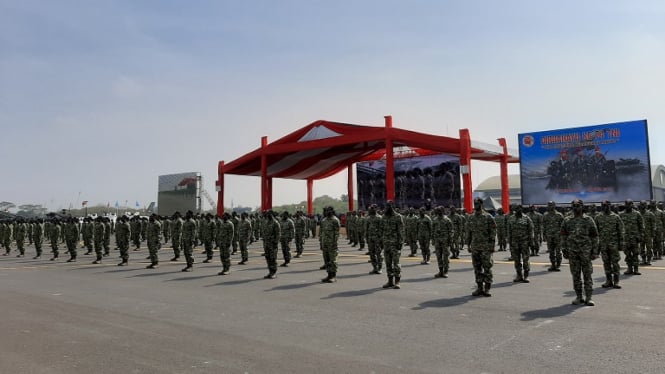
[
  {"x": 419, "y": 181},
  {"x": 178, "y": 192},
  {"x": 593, "y": 163}
]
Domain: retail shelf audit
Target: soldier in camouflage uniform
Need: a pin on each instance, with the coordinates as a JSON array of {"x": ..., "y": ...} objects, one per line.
[
  {"x": 54, "y": 235},
  {"x": 360, "y": 230},
  {"x": 480, "y": 238},
  {"x": 552, "y": 221},
  {"x": 225, "y": 238},
  {"x": 107, "y": 236},
  {"x": 38, "y": 237},
  {"x": 166, "y": 228},
  {"x": 351, "y": 228},
  {"x": 176, "y": 235},
  {"x": 537, "y": 220},
  {"x": 373, "y": 235},
  {"x": 328, "y": 237},
  {"x": 442, "y": 238},
  {"x": 392, "y": 230},
  {"x": 659, "y": 227},
  {"x": 71, "y": 233},
  {"x": 86, "y": 233},
  {"x": 245, "y": 233},
  {"x": 208, "y": 235},
  {"x": 520, "y": 234},
  {"x": 270, "y": 232},
  {"x": 98, "y": 239},
  {"x": 610, "y": 235},
  {"x": 501, "y": 220},
  {"x": 424, "y": 234},
  {"x": 411, "y": 231},
  {"x": 646, "y": 245},
  {"x": 188, "y": 237},
  {"x": 236, "y": 227},
  {"x": 153, "y": 238},
  {"x": 19, "y": 236},
  {"x": 312, "y": 225},
  {"x": 633, "y": 225},
  {"x": 135, "y": 225},
  {"x": 580, "y": 237},
  {"x": 458, "y": 231},
  {"x": 122, "y": 235},
  {"x": 300, "y": 223},
  {"x": 287, "y": 232}
]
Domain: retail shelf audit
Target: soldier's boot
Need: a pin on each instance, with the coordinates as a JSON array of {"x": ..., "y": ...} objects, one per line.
[
  {"x": 636, "y": 271},
  {"x": 479, "y": 290},
  {"x": 518, "y": 278},
  {"x": 648, "y": 262},
  {"x": 439, "y": 274},
  {"x": 390, "y": 283},
  {"x": 578, "y": 300},
  {"x": 225, "y": 271},
  {"x": 55, "y": 256},
  {"x": 322, "y": 267},
  {"x": 445, "y": 272},
  {"x": 487, "y": 293},
  {"x": 588, "y": 301},
  {"x": 628, "y": 271},
  {"x": 552, "y": 267},
  {"x": 187, "y": 268},
  {"x": 326, "y": 279},
  {"x": 98, "y": 260},
  {"x": 72, "y": 258},
  {"x": 153, "y": 265},
  {"x": 558, "y": 265},
  {"x": 374, "y": 270},
  {"x": 175, "y": 258},
  {"x": 412, "y": 254},
  {"x": 525, "y": 279},
  {"x": 615, "y": 278},
  {"x": 332, "y": 278},
  {"x": 123, "y": 263},
  {"x": 608, "y": 283},
  {"x": 397, "y": 286},
  {"x": 88, "y": 252}
]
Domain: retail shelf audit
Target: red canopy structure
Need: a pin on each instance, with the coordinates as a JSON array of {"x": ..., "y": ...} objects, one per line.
[{"x": 324, "y": 148}]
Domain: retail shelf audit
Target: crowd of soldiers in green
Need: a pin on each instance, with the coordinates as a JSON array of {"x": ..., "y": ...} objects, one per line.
[{"x": 577, "y": 234}]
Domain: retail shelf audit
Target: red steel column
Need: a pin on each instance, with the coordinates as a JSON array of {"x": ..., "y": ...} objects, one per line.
[
  {"x": 390, "y": 161},
  {"x": 465, "y": 168},
  {"x": 310, "y": 187},
  {"x": 264, "y": 175},
  {"x": 220, "y": 188},
  {"x": 349, "y": 186},
  {"x": 505, "y": 189}
]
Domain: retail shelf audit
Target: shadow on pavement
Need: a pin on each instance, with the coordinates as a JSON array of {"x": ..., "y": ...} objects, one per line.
[
  {"x": 445, "y": 303},
  {"x": 235, "y": 282},
  {"x": 296, "y": 286},
  {"x": 195, "y": 277},
  {"x": 353, "y": 293},
  {"x": 557, "y": 311},
  {"x": 151, "y": 274}
]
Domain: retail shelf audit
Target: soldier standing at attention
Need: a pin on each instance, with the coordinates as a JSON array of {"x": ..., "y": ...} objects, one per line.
[
  {"x": 580, "y": 237},
  {"x": 646, "y": 246},
  {"x": 225, "y": 236},
  {"x": 166, "y": 228},
  {"x": 520, "y": 232},
  {"x": 442, "y": 237},
  {"x": 552, "y": 221},
  {"x": 19, "y": 235},
  {"x": 360, "y": 229},
  {"x": 54, "y": 235},
  {"x": 287, "y": 232},
  {"x": 633, "y": 225},
  {"x": 610, "y": 235},
  {"x": 537, "y": 220},
  {"x": 153, "y": 233},
  {"x": 392, "y": 230},
  {"x": 501, "y": 228},
  {"x": 135, "y": 224},
  {"x": 236, "y": 227},
  {"x": 659, "y": 226},
  {"x": 122, "y": 234},
  {"x": 480, "y": 237},
  {"x": 373, "y": 234},
  {"x": 424, "y": 233},
  {"x": 411, "y": 231},
  {"x": 270, "y": 232},
  {"x": 458, "y": 231},
  {"x": 107, "y": 236},
  {"x": 188, "y": 237},
  {"x": 300, "y": 223},
  {"x": 328, "y": 236},
  {"x": 86, "y": 233},
  {"x": 176, "y": 235},
  {"x": 71, "y": 233},
  {"x": 245, "y": 233},
  {"x": 207, "y": 234},
  {"x": 38, "y": 237}
]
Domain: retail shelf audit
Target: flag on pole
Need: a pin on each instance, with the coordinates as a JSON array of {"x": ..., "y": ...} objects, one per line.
[
  {"x": 137, "y": 204},
  {"x": 116, "y": 204}
]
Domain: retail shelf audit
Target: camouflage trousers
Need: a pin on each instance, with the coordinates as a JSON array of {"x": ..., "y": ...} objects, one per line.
[
  {"x": 392, "y": 253},
  {"x": 38, "y": 245},
  {"x": 176, "y": 242},
  {"x": 442, "y": 255},
  {"x": 271, "y": 256},
  {"x": 242, "y": 243},
  {"x": 412, "y": 242},
  {"x": 153, "y": 247},
  {"x": 360, "y": 239},
  {"x": 123, "y": 246},
  {"x": 188, "y": 249},
  {"x": 631, "y": 254},
  {"x": 501, "y": 239},
  {"x": 99, "y": 248},
  {"x": 19, "y": 246},
  {"x": 482, "y": 265},
  {"x": 581, "y": 269},
  {"x": 554, "y": 248},
  {"x": 610, "y": 255},
  {"x": 658, "y": 244},
  {"x": 286, "y": 249},
  {"x": 519, "y": 250},
  {"x": 375, "y": 255},
  {"x": 225, "y": 255},
  {"x": 207, "y": 248},
  {"x": 646, "y": 248},
  {"x": 424, "y": 246},
  {"x": 136, "y": 240},
  {"x": 234, "y": 244},
  {"x": 71, "y": 247},
  {"x": 330, "y": 257},
  {"x": 300, "y": 240}
]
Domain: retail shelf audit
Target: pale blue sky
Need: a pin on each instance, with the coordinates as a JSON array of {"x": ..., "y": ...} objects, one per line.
[{"x": 101, "y": 97}]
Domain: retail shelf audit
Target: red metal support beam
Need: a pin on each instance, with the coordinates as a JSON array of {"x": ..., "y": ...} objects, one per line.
[
  {"x": 264, "y": 175},
  {"x": 390, "y": 160},
  {"x": 310, "y": 204},
  {"x": 219, "y": 185},
  {"x": 505, "y": 188},
  {"x": 350, "y": 186},
  {"x": 465, "y": 168}
]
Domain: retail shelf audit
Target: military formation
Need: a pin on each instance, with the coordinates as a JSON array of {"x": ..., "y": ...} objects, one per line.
[{"x": 577, "y": 233}]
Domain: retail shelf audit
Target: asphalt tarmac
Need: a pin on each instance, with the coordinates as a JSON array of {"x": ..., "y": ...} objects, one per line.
[{"x": 58, "y": 317}]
